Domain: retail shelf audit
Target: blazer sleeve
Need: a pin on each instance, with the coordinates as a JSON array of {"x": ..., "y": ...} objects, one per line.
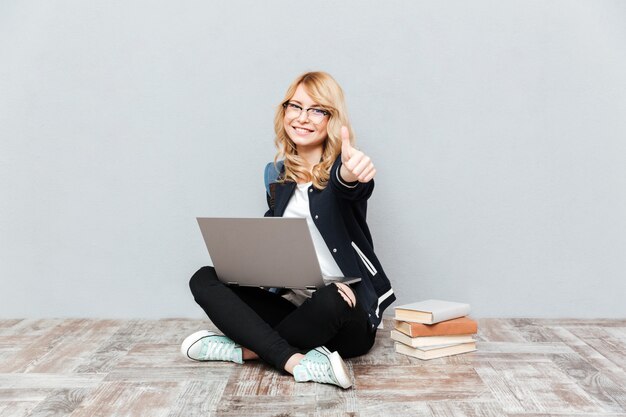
[
  {"x": 270, "y": 211},
  {"x": 349, "y": 190},
  {"x": 266, "y": 178}
]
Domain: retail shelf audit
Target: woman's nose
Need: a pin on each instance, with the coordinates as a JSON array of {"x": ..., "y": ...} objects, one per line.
[{"x": 304, "y": 115}]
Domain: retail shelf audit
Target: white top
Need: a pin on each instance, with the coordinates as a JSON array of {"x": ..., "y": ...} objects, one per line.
[{"x": 298, "y": 206}]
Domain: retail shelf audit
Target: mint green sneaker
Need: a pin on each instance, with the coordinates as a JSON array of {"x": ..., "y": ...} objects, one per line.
[
  {"x": 208, "y": 346},
  {"x": 320, "y": 365}
]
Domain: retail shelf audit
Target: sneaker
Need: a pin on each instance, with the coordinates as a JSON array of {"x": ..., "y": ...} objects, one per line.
[
  {"x": 208, "y": 346},
  {"x": 320, "y": 365}
]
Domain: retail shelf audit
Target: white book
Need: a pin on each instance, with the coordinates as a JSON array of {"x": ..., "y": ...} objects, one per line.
[
  {"x": 423, "y": 341},
  {"x": 431, "y": 311}
]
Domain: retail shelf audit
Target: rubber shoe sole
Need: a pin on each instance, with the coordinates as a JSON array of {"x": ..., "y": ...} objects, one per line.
[
  {"x": 340, "y": 370},
  {"x": 193, "y": 339}
]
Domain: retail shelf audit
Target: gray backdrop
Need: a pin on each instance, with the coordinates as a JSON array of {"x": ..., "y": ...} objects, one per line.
[{"x": 497, "y": 128}]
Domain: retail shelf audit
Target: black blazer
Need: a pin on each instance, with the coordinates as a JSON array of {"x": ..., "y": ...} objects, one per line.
[{"x": 339, "y": 211}]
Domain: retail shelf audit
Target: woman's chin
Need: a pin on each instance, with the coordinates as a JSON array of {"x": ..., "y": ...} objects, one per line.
[{"x": 306, "y": 143}]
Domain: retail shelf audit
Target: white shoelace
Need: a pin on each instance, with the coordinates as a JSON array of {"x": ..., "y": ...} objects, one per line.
[
  {"x": 217, "y": 350},
  {"x": 321, "y": 372}
]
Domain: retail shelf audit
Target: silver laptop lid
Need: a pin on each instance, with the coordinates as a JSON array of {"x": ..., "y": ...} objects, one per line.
[{"x": 266, "y": 251}]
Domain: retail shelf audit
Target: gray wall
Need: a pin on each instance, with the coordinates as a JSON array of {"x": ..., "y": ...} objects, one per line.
[{"x": 497, "y": 128}]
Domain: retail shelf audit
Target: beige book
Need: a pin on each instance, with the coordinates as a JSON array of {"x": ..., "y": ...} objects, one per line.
[
  {"x": 431, "y": 311},
  {"x": 435, "y": 352},
  {"x": 430, "y": 340}
]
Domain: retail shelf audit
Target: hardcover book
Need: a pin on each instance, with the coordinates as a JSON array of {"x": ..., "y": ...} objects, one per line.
[
  {"x": 431, "y": 311},
  {"x": 462, "y": 325},
  {"x": 423, "y": 341},
  {"x": 435, "y": 351}
]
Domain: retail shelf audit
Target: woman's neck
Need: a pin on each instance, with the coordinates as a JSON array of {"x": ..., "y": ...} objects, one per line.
[{"x": 311, "y": 156}]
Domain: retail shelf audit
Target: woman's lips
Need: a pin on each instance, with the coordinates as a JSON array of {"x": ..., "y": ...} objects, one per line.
[{"x": 302, "y": 132}]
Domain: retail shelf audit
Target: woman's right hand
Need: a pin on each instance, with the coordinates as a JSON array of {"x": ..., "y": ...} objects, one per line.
[{"x": 355, "y": 165}]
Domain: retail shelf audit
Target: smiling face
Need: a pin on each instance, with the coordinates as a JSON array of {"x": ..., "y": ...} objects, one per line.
[{"x": 301, "y": 130}]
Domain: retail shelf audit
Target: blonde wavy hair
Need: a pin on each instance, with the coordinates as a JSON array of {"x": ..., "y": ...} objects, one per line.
[{"x": 328, "y": 94}]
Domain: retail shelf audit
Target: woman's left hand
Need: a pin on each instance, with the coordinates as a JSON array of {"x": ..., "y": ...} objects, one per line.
[{"x": 355, "y": 165}]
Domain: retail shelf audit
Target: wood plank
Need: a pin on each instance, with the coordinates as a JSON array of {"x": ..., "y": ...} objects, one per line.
[
  {"x": 428, "y": 381},
  {"x": 14, "y": 343},
  {"x": 526, "y": 348},
  {"x": 8, "y": 323},
  {"x": 498, "y": 330},
  {"x": 259, "y": 379},
  {"x": 16, "y": 408},
  {"x": 164, "y": 362},
  {"x": 200, "y": 372},
  {"x": 287, "y": 405},
  {"x": 531, "y": 331},
  {"x": 534, "y": 387},
  {"x": 121, "y": 399},
  {"x": 74, "y": 347},
  {"x": 140, "y": 332},
  {"x": 577, "y": 322},
  {"x": 111, "y": 350},
  {"x": 567, "y": 415},
  {"x": 198, "y": 398},
  {"x": 466, "y": 409},
  {"x": 23, "y": 394},
  {"x": 376, "y": 405},
  {"x": 598, "y": 385},
  {"x": 59, "y": 403},
  {"x": 48, "y": 381},
  {"x": 509, "y": 352},
  {"x": 29, "y": 355},
  {"x": 165, "y": 355},
  {"x": 32, "y": 327},
  {"x": 591, "y": 355},
  {"x": 612, "y": 348}
]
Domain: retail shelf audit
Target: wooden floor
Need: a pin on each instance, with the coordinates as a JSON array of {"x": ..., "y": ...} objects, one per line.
[{"x": 523, "y": 367}]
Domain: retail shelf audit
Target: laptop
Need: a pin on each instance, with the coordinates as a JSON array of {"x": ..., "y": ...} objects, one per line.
[{"x": 264, "y": 252}]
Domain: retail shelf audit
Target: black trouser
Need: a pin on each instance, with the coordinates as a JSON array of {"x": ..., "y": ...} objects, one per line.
[{"x": 274, "y": 328}]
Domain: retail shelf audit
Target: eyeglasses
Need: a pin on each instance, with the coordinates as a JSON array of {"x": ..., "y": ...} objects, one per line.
[{"x": 294, "y": 111}]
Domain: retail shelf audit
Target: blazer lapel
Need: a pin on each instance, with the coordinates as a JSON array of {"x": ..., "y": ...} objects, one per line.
[{"x": 283, "y": 194}]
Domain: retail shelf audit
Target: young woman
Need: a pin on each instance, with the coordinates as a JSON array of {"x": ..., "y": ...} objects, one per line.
[{"x": 327, "y": 181}]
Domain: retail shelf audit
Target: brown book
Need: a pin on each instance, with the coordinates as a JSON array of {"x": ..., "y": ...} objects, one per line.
[{"x": 462, "y": 325}]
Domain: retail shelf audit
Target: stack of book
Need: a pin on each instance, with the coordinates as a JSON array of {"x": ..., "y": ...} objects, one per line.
[{"x": 434, "y": 328}]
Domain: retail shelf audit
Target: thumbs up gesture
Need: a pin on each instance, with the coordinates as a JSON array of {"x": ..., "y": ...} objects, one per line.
[{"x": 355, "y": 165}]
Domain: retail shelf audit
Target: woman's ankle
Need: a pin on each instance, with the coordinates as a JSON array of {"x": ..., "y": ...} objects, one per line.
[
  {"x": 248, "y": 354},
  {"x": 293, "y": 361}
]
